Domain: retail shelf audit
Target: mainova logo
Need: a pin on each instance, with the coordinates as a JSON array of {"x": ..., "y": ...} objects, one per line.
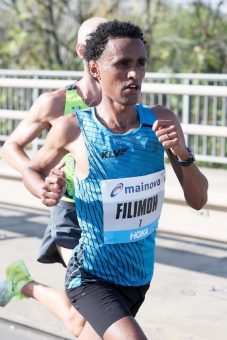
[{"x": 117, "y": 189}]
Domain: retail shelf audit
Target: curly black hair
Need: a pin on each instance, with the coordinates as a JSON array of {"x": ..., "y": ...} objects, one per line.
[{"x": 97, "y": 40}]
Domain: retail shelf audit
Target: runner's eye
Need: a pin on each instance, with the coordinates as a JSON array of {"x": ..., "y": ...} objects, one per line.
[
  {"x": 141, "y": 62},
  {"x": 123, "y": 64}
]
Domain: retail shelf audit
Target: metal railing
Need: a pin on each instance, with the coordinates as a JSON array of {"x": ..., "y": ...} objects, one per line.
[
  {"x": 202, "y": 109},
  {"x": 186, "y": 78},
  {"x": 40, "y": 74}
]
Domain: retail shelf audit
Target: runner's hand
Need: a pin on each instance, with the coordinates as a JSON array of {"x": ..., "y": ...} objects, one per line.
[
  {"x": 54, "y": 186},
  {"x": 170, "y": 134}
]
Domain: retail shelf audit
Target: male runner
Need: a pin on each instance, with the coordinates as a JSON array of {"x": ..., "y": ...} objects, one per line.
[
  {"x": 118, "y": 147},
  {"x": 63, "y": 231}
]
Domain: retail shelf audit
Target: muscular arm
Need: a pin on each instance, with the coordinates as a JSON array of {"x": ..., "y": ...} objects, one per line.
[
  {"x": 192, "y": 181},
  {"x": 41, "y": 115},
  {"x": 58, "y": 142}
]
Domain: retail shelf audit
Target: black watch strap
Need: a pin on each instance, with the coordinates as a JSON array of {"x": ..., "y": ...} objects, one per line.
[{"x": 188, "y": 161}]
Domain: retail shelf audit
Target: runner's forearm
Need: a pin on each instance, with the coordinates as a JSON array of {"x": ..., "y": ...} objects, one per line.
[
  {"x": 15, "y": 156},
  {"x": 192, "y": 181},
  {"x": 33, "y": 181},
  {"x": 195, "y": 187}
]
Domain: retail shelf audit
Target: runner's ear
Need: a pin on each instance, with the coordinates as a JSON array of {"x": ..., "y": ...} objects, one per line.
[
  {"x": 80, "y": 50},
  {"x": 94, "y": 69}
]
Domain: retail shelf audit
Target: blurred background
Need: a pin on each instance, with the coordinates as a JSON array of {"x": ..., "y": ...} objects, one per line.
[
  {"x": 183, "y": 36},
  {"x": 186, "y": 72}
]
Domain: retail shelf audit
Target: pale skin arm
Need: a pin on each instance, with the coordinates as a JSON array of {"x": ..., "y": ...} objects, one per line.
[
  {"x": 193, "y": 182},
  {"x": 45, "y": 110},
  {"x": 57, "y": 144},
  {"x": 13, "y": 151}
]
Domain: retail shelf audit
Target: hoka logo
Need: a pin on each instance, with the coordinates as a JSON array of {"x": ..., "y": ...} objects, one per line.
[
  {"x": 139, "y": 234},
  {"x": 114, "y": 153}
]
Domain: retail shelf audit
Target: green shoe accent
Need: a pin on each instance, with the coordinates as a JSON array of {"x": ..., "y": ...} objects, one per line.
[{"x": 17, "y": 276}]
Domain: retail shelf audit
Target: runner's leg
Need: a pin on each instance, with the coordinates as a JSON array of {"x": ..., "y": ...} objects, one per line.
[
  {"x": 64, "y": 229},
  {"x": 89, "y": 333},
  {"x": 125, "y": 328},
  {"x": 54, "y": 299},
  {"x": 57, "y": 302}
]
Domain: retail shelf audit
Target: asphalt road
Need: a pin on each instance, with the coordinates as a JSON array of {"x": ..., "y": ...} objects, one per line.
[
  {"x": 10, "y": 330},
  {"x": 187, "y": 299}
]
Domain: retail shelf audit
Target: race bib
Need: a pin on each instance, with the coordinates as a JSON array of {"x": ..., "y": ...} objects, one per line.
[{"x": 132, "y": 207}]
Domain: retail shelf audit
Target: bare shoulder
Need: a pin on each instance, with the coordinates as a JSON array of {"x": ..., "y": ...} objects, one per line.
[
  {"x": 48, "y": 106},
  {"x": 162, "y": 112},
  {"x": 65, "y": 130}
]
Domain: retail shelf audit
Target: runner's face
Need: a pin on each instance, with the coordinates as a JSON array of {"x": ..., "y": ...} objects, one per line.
[{"x": 121, "y": 69}]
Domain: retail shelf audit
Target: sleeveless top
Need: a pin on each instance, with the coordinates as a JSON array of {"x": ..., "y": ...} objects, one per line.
[
  {"x": 119, "y": 203},
  {"x": 72, "y": 101}
]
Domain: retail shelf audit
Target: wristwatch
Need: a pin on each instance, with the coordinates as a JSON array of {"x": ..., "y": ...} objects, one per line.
[{"x": 188, "y": 161}]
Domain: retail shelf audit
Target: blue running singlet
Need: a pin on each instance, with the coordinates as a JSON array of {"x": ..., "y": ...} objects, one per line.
[{"x": 119, "y": 203}]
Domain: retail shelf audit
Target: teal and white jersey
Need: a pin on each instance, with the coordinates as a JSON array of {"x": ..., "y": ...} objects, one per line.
[{"x": 119, "y": 203}]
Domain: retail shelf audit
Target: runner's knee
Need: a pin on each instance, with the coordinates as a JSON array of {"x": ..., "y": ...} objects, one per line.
[{"x": 74, "y": 322}]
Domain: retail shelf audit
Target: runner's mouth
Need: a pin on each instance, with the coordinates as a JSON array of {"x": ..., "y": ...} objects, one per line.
[{"x": 132, "y": 87}]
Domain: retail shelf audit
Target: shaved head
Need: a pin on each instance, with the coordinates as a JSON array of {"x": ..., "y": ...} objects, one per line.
[{"x": 88, "y": 27}]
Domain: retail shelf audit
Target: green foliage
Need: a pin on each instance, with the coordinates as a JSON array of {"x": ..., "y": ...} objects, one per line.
[{"x": 41, "y": 34}]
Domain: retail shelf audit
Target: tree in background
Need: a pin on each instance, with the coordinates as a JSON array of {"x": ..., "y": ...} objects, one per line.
[
  {"x": 183, "y": 38},
  {"x": 200, "y": 39},
  {"x": 40, "y": 34}
]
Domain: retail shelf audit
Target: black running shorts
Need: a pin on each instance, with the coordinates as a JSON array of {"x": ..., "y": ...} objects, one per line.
[
  {"x": 103, "y": 303},
  {"x": 63, "y": 230}
]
